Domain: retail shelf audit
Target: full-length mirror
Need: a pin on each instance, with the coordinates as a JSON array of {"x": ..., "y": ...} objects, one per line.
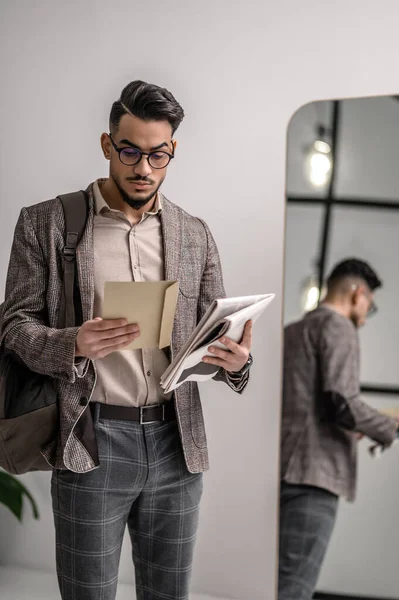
[{"x": 338, "y": 534}]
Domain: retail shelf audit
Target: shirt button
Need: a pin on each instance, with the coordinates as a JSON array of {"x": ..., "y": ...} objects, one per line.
[
  {"x": 83, "y": 401},
  {"x": 149, "y": 373}
]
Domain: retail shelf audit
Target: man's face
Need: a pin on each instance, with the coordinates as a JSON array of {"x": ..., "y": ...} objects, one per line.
[
  {"x": 139, "y": 183},
  {"x": 362, "y": 304}
]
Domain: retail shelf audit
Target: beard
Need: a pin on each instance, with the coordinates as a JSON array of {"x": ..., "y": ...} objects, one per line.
[{"x": 135, "y": 203}]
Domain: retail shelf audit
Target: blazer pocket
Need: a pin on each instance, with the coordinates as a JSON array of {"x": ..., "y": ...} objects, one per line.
[
  {"x": 197, "y": 419},
  {"x": 189, "y": 287}
]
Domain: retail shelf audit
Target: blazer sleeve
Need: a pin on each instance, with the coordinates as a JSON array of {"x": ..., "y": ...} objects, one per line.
[
  {"x": 23, "y": 315},
  {"x": 212, "y": 288},
  {"x": 340, "y": 382}
]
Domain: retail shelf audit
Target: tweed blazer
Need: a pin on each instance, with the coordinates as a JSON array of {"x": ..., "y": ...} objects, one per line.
[
  {"x": 29, "y": 321},
  {"x": 320, "y": 380}
]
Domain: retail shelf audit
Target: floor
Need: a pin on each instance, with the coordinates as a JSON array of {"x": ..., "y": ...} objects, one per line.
[
  {"x": 26, "y": 584},
  {"x": 321, "y": 596}
]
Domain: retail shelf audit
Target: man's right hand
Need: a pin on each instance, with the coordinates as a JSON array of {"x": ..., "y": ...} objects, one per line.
[{"x": 99, "y": 337}]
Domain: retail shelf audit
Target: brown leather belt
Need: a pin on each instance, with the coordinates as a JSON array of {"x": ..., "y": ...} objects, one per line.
[{"x": 153, "y": 413}]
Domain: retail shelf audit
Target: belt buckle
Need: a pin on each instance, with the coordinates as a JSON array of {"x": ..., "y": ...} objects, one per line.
[{"x": 142, "y": 410}]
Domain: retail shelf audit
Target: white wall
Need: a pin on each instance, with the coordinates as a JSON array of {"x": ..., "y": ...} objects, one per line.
[
  {"x": 361, "y": 559},
  {"x": 62, "y": 65},
  {"x": 240, "y": 70}
]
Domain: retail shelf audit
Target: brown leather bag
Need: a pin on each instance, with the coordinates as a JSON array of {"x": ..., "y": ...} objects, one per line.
[{"x": 28, "y": 400}]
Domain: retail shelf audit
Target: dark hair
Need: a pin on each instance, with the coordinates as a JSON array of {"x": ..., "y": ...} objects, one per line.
[
  {"x": 353, "y": 267},
  {"x": 147, "y": 102}
]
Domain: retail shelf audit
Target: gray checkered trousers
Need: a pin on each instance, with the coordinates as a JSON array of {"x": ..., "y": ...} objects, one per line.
[
  {"x": 142, "y": 482},
  {"x": 307, "y": 518}
]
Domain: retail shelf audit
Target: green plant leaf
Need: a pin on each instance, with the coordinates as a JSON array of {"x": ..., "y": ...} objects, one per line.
[{"x": 12, "y": 493}]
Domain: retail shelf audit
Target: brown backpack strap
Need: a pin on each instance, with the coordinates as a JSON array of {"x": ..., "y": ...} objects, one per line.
[{"x": 75, "y": 207}]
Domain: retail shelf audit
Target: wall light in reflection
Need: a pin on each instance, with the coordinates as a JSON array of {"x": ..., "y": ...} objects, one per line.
[{"x": 319, "y": 161}]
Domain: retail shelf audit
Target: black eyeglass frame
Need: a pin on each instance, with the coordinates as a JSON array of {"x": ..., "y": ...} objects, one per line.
[
  {"x": 141, "y": 154},
  {"x": 373, "y": 308}
]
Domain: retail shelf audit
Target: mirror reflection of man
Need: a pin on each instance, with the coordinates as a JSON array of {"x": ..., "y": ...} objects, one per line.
[{"x": 323, "y": 416}]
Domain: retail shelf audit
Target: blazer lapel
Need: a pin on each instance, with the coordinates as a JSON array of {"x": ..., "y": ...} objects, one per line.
[
  {"x": 85, "y": 262},
  {"x": 172, "y": 229}
]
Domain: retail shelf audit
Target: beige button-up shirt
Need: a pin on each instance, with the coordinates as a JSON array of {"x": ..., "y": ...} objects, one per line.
[{"x": 126, "y": 252}]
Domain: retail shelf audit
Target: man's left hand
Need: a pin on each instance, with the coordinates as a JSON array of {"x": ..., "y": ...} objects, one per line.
[{"x": 236, "y": 356}]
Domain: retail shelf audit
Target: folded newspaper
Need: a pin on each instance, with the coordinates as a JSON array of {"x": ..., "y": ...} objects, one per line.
[
  {"x": 376, "y": 451},
  {"x": 226, "y": 316}
]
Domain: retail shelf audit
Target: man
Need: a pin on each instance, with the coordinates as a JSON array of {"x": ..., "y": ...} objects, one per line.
[
  {"x": 127, "y": 453},
  {"x": 323, "y": 416}
]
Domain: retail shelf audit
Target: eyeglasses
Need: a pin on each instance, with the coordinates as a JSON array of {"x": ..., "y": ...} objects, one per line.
[
  {"x": 373, "y": 308},
  {"x": 130, "y": 156}
]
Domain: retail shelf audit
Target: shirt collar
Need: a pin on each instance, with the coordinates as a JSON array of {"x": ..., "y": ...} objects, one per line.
[{"x": 100, "y": 205}]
